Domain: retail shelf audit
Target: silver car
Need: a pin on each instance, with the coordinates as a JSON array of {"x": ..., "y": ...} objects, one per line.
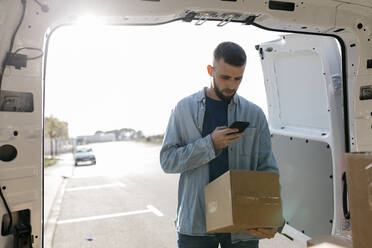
[{"x": 84, "y": 155}]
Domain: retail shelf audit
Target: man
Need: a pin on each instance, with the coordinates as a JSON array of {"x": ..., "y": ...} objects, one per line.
[{"x": 200, "y": 147}]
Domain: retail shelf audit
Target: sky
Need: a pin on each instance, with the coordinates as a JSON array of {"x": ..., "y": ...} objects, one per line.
[{"x": 112, "y": 77}]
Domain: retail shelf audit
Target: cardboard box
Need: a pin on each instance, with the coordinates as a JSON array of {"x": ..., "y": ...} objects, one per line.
[
  {"x": 240, "y": 199},
  {"x": 359, "y": 182},
  {"x": 369, "y": 173},
  {"x": 330, "y": 242}
]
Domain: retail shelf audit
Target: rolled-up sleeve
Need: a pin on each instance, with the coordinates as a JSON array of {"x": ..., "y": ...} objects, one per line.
[{"x": 176, "y": 157}]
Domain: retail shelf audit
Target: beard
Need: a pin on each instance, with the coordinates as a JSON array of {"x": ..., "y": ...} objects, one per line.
[{"x": 220, "y": 94}]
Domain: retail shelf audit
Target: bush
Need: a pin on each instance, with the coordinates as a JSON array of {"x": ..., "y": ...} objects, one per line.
[{"x": 49, "y": 162}]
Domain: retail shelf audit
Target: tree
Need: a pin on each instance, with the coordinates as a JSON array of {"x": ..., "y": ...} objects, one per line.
[
  {"x": 139, "y": 134},
  {"x": 54, "y": 129}
]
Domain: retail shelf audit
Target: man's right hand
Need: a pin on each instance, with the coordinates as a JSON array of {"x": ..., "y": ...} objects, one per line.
[{"x": 223, "y": 136}]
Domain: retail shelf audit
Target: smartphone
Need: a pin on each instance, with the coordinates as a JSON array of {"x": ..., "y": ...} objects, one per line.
[{"x": 241, "y": 125}]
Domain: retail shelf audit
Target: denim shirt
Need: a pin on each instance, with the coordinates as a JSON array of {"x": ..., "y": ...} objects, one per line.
[{"x": 185, "y": 151}]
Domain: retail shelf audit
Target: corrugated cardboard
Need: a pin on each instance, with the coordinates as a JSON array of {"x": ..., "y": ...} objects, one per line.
[
  {"x": 369, "y": 173},
  {"x": 240, "y": 199},
  {"x": 358, "y": 182},
  {"x": 330, "y": 242}
]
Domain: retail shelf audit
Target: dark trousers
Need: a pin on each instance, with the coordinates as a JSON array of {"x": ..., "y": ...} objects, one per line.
[{"x": 186, "y": 241}]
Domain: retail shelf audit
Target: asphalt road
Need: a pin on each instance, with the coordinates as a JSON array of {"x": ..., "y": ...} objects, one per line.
[{"x": 125, "y": 200}]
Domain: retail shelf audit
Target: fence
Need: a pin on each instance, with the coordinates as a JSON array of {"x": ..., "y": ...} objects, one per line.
[{"x": 55, "y": 147}]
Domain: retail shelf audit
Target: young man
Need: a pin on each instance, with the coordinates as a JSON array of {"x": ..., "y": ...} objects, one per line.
[{"x": 199, "y": 145}]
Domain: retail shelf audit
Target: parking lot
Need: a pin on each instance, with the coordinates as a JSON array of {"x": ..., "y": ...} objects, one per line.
[{"x": 125, "y": 200}]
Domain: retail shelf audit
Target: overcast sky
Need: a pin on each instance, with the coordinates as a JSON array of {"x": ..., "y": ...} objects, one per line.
[{"x": 112, "y": 77}]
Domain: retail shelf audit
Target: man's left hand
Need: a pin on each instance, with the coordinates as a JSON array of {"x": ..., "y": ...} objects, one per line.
[{"x": 266, "y": 233}]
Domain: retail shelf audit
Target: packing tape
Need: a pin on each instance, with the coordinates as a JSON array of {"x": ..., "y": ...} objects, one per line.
[{"x": 253, "y": 200}]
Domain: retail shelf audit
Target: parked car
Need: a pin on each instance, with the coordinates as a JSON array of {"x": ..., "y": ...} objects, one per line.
[{"x": 84, "y": 155}]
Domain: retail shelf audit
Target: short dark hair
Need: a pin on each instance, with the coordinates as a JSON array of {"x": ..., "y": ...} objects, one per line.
[{"x": 231, "y": 53}]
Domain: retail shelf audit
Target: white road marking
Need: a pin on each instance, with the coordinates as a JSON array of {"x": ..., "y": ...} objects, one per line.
[
  {"x": 155, "y": 210},
  {"x": 96, "y": 187},
  {"x": 150, "y": 209}
]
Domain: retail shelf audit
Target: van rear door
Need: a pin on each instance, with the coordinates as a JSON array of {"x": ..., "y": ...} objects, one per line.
[{"x": 302, "y": 75}]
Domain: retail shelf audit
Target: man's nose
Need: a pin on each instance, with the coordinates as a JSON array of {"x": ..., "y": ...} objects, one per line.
[{"x": 232, "y": 83}]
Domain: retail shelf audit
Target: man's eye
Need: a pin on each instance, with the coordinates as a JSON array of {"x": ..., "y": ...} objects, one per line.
[{"x": 225, "y": 77}]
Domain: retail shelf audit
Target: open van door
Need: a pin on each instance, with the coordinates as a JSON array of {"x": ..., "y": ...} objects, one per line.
[{"x": 303, "y": 84}]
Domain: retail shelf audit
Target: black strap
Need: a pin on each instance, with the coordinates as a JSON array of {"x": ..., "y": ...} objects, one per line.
[
  {"x": 22, "y": 236},
  {"x": 344, "y": 197}
]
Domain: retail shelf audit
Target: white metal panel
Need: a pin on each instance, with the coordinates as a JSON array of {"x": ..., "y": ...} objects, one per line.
[
  {"x": 358, "y": 37},
  {"x": 300, "y": 71},
  {"x": 306, "y": 184},
  {"x": 363, "y": 3},
  {"x": 307, "y": 107}
]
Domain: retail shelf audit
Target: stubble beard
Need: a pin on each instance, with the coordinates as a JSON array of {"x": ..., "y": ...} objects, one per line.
[{"x": 220, "y": 95}]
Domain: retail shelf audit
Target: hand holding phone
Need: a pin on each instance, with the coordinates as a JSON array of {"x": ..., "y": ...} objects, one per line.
[
  {"x": 240, "y": 125},
  {"x": 223, "y": 136}
]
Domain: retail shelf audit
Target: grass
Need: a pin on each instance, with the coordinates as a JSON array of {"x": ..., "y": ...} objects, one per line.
[{"x": 49, "y": 162}]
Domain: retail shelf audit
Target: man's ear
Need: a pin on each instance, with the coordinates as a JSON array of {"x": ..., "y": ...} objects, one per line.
[{"x": 210, "y": 70}]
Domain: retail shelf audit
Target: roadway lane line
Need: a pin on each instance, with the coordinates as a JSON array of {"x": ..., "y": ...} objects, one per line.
[
  {"x": 150, "y": 209},
  {"x": 155, "y": 210},
  {"x": 95, "y": 187}
]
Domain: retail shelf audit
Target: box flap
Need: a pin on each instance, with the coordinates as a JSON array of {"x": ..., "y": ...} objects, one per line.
[{"x": 218, "y": 202}]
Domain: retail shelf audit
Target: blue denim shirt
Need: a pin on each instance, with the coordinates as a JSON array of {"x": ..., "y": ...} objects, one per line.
[{"x": 185, "y": 151}]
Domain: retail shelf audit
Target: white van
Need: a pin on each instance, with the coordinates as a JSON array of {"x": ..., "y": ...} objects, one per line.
[{"x": 318, "y": 84}]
